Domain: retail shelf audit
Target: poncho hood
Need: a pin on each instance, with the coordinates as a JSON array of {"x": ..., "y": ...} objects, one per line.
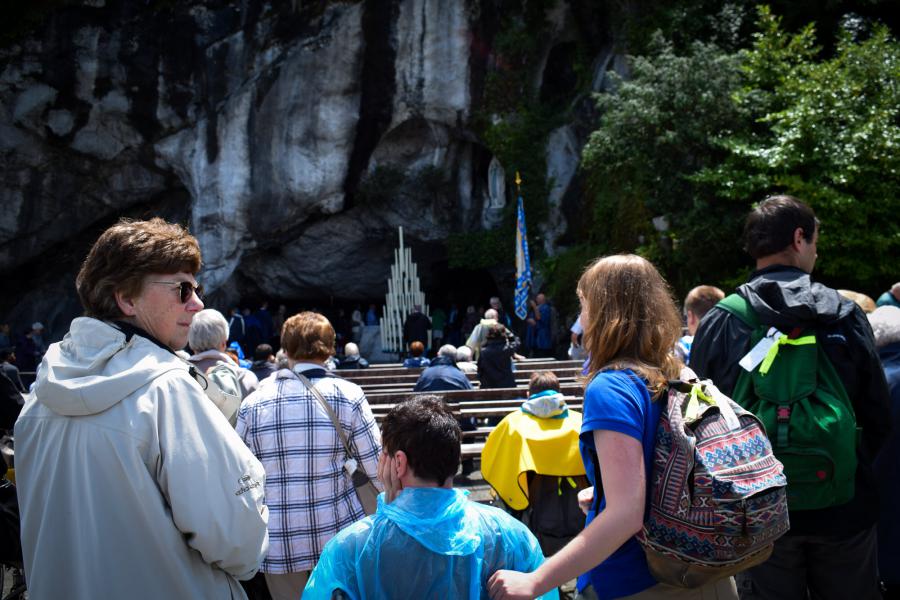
[
  {"x": 546, "y": 404},
  {"x": 427, "y": 514}
]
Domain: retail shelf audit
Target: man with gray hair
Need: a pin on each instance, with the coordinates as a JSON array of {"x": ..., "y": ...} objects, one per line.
[
  {"x": 207, "y": 338},
  {"x": 443, "y": 373},
  {"x": 352, "y": 359},
  {"x": 502, "y": 316},
  {"x": 479, "y": 334},
  {"x": 464, "y": 360}
]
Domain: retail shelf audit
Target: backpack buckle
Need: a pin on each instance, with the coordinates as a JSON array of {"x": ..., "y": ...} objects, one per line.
[
  {"x": 783, "y": 414},
  {"x": 782, "y": 418}
]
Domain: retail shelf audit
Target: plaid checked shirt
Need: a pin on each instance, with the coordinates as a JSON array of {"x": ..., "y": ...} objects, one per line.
[{"x": 308, "y": 492}]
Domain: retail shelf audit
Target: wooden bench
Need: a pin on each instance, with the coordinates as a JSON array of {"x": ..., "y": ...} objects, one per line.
[
  {"x": 406, "y": 388},
  {"x": 529, "y": 364},
  {"x": 471, "y": 450},
  {"x": 480, "y": 432},
  {"x": 481, "y": 410},
  {"x": 392, "y": 397},
  {"x": 411, "y": 378},
  {"x": 456, "y": 405},
  {"x": 481, "y": 404}
]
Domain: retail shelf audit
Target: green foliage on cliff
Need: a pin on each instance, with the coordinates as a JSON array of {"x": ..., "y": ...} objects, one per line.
[
  {"x": 698, "y": 136},
  {"x": 381, "y": 185},
  {"x": 482, "y": 249},
  {"x": 514, "y": 123}
]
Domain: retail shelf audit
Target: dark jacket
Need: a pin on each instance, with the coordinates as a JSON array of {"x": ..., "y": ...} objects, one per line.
[
  {"x": 495, "y": 365},
  {"x": 887, "y": 468},
  {"x": 10, "y": 404},
  {"x": 414, "y": 362},
  {"x": 353, "y": 362},
  {"x": 263, "y": 368},
  {"x": 11, "y": 371},
  {"x": 415, "y": 328},
  {"x": 237, "y": 329},
  {"x": 786, "y": 297},
  {"x": 442, "y": 375},
  {"x": 266, "y": 324}
]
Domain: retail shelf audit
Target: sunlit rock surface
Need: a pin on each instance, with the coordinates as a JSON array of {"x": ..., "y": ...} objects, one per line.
[{"x": 265, "y": 126}]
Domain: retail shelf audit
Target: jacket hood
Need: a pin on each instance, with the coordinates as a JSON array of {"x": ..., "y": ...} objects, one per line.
[
  {"x": 95, "y": 366},
  {"x": 434, "y": 517},
  {"x": 546, "y": 404},
  {"x": 442, "y": 360},
  {"x": 786, "y": 297}
]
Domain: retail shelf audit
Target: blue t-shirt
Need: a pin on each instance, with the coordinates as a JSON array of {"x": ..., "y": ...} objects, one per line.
[{"x": 619, "y": 401}]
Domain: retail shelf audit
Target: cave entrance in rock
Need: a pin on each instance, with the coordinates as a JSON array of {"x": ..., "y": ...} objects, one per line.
[{"x": 446, "y": 285}]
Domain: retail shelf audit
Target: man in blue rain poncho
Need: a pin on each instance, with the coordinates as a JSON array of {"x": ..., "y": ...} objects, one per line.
[{"x": 426, "y": 539}]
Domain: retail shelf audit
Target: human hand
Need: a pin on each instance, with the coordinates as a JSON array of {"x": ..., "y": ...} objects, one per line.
[
  {"x": 387, "y": 474},
  {"x": 512, "y": 585},
  {"x": 586, "y": 499}
]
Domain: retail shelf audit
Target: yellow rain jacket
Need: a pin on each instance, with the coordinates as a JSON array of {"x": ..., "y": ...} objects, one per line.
[{"x": 523, "y": 442}]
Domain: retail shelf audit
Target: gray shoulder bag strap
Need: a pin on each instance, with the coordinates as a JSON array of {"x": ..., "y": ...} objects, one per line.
[{"x": 365, "y": 489}]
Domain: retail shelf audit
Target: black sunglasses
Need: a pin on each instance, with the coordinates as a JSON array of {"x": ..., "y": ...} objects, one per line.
[{"x": 185, "y": 289}]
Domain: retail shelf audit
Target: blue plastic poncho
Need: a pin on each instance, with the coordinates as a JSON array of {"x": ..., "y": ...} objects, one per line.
[{"x": 428, "y": 543}]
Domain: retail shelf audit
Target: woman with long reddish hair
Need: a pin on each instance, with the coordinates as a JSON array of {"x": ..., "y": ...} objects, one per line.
[{"x": 630, "y": 325}]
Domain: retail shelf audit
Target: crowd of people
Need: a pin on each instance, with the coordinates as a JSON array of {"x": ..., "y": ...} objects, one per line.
[{"x": 145, "y": 472}]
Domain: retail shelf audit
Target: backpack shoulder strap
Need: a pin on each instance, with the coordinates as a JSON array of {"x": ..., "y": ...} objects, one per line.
[
  {"x": 739, "y": 307},
  {"x": 335, "y": 422}
]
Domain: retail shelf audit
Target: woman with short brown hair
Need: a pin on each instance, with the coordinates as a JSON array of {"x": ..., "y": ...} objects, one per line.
[
  {"x": 308, "y": 487},
  {"x": 308, "y": 336},
  {"x": 119, "y": 439}
]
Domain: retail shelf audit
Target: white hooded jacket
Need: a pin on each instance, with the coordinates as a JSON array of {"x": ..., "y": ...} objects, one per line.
[{"x": 131, "y": 483}]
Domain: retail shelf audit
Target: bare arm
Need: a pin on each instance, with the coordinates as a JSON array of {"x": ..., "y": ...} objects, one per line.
[{"x": 621, "y": 460}]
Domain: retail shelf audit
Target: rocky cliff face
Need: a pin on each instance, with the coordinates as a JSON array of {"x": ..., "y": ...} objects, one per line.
[{"x": 293, "y": 137}]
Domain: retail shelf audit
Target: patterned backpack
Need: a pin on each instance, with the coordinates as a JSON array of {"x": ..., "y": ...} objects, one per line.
[{"x": 717, "y": 493}]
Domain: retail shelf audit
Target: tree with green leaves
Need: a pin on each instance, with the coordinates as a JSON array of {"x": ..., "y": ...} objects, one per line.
[
  {"x": 658, "y": 130},
  {"x": 698, "y": 136},
  {"x": 826, "y": 130}
]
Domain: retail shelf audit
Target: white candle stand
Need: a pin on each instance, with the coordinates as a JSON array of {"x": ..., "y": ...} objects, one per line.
[{"x": 404, "y": 292}]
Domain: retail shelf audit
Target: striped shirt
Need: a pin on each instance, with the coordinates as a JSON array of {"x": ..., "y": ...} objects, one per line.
[{"x": 308, "y": 491}]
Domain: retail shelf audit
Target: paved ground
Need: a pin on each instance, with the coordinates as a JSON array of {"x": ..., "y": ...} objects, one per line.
[
  {"x": 480, "y": 491},
  {"x": 7, "y": 577},
  {"x": 478, "y": 488}
]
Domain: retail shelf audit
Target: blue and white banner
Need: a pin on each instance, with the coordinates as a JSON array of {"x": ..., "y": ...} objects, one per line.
[{"x": 523, "y": 263}]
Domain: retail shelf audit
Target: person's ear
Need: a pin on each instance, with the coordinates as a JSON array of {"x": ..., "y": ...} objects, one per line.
[
  {"x": 401, "y": 464},
  {"x": 692, "y": 320},
  {"x": 125, "y": 303},
  {"x": 799, "y": 238}
]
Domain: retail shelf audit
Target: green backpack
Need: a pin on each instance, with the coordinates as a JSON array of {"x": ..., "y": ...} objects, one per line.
[{"x": 804, "y": 406}]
